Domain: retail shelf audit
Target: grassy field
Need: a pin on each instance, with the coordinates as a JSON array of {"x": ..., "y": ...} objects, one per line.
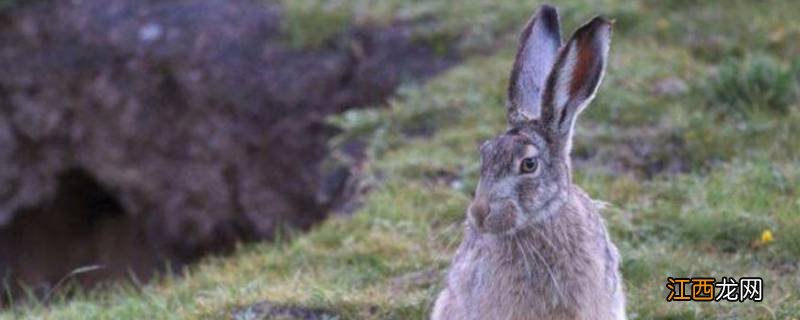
[{"x": 692, "y": 141}]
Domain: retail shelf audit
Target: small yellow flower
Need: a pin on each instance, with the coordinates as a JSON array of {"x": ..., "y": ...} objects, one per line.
[
  {"x": 662, "y": 24},
  {"x": 777, "y": 35},
  {"x": 766, "y": 237}
]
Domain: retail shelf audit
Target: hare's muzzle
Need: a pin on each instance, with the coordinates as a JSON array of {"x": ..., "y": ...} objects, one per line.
[{"x": 493, "y": 218}]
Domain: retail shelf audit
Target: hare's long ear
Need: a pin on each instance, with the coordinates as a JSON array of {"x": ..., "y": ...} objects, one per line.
[
  {"x": 574, "y": 79},
  {"x": 536, "y": 54}
]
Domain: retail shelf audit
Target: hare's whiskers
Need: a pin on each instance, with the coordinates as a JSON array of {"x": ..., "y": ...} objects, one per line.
[
  {"x": 528, "y": 270},
  {"x": 549, "y": 270}
]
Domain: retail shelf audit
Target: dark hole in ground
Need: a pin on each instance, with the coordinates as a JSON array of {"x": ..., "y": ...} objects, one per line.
[{"x": 83, "y": 225}]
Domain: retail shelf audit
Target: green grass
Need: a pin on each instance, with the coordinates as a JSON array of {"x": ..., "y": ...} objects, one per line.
[
  {"x": 758, "y": 82},
  {"x": 739, "y": 177}
]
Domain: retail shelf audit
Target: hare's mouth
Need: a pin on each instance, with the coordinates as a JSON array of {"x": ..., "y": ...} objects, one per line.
[
  {"x": 496, "y": 219},
  {"x": 509, "y": 217},
  {"x": 501, "y": 222}
]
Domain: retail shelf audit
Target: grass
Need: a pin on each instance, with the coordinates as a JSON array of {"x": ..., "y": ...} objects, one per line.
[
  {"x": 738, "y": 176},
  {"x": 758, "y": 82}
]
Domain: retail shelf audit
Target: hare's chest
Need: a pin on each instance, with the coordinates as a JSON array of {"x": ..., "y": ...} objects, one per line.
[{"x": 516, "y": 290}]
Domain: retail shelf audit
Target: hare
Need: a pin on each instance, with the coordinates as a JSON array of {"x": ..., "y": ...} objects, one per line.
[{"x": 535, "y": 245}]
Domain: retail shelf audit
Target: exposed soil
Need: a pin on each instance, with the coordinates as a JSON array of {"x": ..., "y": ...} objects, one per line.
[
  {"x": 641, "y": 152},
  {"x": 139, "y": 133}
]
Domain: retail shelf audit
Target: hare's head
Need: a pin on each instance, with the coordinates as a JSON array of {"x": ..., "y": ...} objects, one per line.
[{"x": 525, "y": 172}]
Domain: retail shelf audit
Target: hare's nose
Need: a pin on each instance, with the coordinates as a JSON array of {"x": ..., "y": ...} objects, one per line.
[
  {"x": 479, "y": 209},
  {"x": 496, "y": 218}
]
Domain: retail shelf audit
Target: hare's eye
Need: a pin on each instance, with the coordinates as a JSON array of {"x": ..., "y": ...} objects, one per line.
[{"x": 528, "y": 165}]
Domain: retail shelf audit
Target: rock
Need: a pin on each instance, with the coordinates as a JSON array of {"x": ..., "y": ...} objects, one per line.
[
  {"x": 269, "y": 310},
  {"x": 671, "y": 86}
]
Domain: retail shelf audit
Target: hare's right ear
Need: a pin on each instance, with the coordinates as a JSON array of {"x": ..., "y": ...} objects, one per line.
[
  {"x": 574, "y": 80},
  {"x": 536, "y": 54}
]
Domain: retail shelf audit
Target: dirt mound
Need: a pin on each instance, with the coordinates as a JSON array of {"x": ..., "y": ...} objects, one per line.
[
  {"x": 641, "y": 152},
  {"x": 138, "y": 132}
]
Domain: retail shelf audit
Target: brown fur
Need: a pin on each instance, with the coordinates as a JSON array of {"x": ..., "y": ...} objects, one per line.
[{"x": 535, "y": 245}]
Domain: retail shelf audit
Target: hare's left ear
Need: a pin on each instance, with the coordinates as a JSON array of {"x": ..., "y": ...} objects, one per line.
[{"x": 574, "y": 79}]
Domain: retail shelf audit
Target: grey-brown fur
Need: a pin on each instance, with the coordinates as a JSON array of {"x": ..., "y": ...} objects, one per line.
[{"x": 535, "y": 245}]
